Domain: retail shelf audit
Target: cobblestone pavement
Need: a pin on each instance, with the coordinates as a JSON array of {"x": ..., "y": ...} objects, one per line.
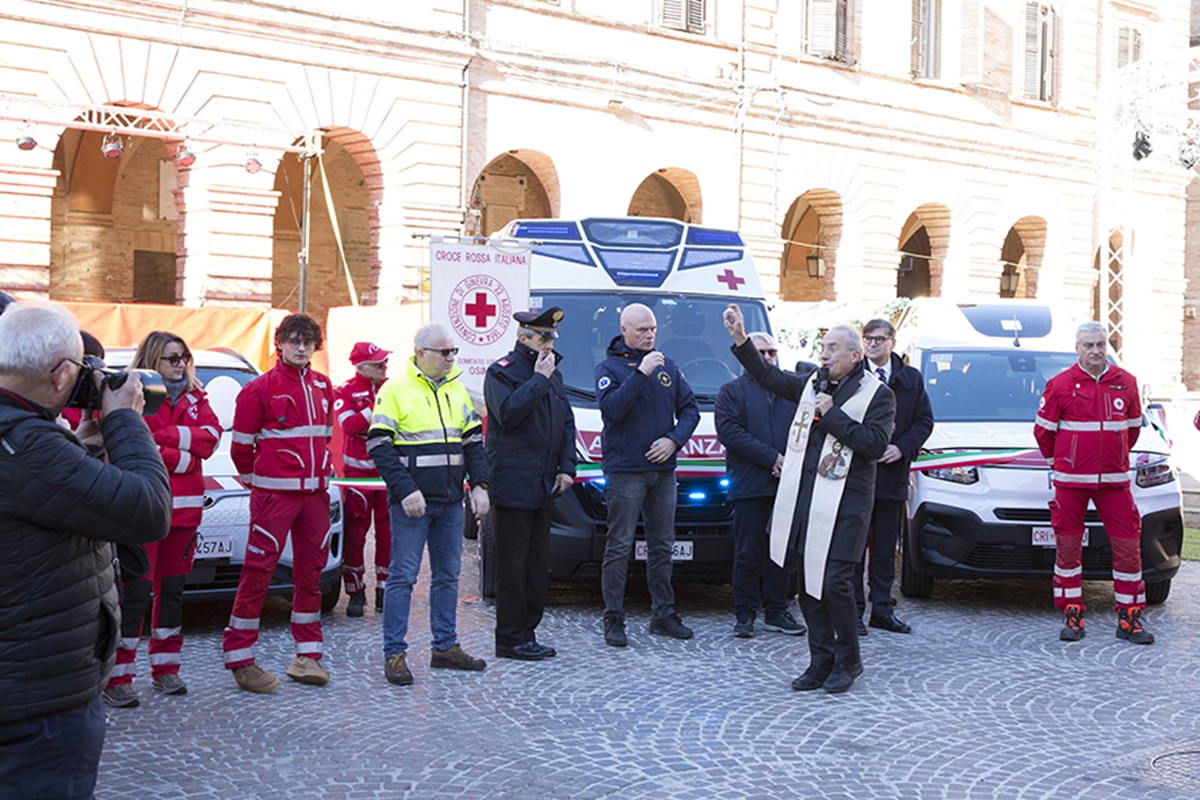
[{"x": 981, "y": 701}]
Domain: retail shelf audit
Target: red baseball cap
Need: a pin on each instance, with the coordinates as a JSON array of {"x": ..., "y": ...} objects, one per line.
[{"x": 364, "y": 352}]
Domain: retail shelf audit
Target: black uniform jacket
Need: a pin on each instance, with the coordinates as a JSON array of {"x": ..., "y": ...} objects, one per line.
[
  {"x": 753, "y": 425},
  {"x": 914, "y": 423},
  {"x": 530, "y": 431},
  {"x": 868, "y": 439}
]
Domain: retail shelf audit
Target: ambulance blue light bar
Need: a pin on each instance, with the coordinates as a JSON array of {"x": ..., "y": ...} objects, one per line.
[
  {"x": 539, "y": 229},
  {"x": 711, "y": 236}
]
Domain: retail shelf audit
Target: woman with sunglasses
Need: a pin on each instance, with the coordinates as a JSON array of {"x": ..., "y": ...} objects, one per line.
[{"x": 187, "y": 431}]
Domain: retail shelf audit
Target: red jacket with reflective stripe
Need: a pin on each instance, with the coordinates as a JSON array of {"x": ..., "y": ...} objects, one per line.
[
  {"x": 186, "y": 431},
  {"x": 281, "y": 428},
  {"x": 353, "y": 403},
  {"x": 1088, "y": 426}
]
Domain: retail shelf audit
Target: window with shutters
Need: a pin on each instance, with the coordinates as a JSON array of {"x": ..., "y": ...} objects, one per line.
[
  {"x": 926, "y": 46},
  {"x": 827, "y": 29},
  {"x": 1041, "y": 32},
  {"x": 683, "y": 15},
  {"x": 1129, "y": 45}
]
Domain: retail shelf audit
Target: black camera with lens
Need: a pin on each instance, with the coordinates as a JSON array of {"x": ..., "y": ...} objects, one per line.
[{"x": 88, "y": 396}]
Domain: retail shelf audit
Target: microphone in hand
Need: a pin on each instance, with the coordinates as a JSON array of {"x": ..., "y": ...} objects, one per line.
[{"x": 821, "y": 386}]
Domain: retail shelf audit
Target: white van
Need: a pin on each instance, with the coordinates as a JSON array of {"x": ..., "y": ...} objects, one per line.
[
  {"x": 687, "y": 274},
  {"x": 985, "y": 367}
]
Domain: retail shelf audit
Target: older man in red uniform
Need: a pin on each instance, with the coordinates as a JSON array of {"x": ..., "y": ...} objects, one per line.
[
  {"x": 353, "y": 404},
  {"x": 1088, "y": 419},
  {"x": 281, "y": 429}
]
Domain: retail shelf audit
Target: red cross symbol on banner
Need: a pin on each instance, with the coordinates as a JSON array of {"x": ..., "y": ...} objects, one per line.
[
  {"x": 481, "y": 309},
  {"x": 730, "y": 280}
]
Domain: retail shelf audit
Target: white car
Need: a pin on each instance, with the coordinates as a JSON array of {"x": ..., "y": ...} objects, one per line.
[
  {"x": 985, "y": 367},
  {"x": 221, "y": 541}
]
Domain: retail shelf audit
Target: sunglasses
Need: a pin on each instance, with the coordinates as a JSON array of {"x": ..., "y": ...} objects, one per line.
[
  {"x": 772, "y": 352},
  {"x": 175, "y": 361},
  {"x": 444, "y": 352}
]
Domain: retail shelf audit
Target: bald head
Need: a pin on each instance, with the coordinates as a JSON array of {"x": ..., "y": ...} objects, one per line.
[{"x": 638, "y": 327}]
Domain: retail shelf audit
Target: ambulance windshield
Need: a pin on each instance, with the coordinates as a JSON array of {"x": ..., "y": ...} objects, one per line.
[{"x": 690, "y": 332}]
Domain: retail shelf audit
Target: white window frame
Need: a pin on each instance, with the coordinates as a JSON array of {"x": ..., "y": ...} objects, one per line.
[
  {"x": 827, "y": 29},
  {"x": 1040, "y": 25},
  {"x": 683, "y": 15},
  {"x": 926, "y": 44}
]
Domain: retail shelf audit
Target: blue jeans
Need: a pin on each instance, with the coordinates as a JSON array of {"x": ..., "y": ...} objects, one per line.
[
  {"x": 653, "y": 495},
  {"x": 53, "y": 756},
  {"x": 440, "y": 527}
]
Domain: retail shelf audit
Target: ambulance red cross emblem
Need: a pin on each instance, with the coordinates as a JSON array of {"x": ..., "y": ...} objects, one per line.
[{"x": 480, "y": 309}]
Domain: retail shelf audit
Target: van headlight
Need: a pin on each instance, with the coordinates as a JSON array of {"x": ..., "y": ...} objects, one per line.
[
  {"x": 963, "y": 475},
  {"x": 335, "y": 512},
  {"x": 1153, "y": 471}
]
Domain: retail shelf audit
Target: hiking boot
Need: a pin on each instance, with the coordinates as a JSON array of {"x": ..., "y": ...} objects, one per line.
[
  {"x": 1129, "y": 626},
  {"x": 744, "y": 628},
  {"x": 784, "y": 622},
  {"x": 395, "y": 669},
  {"x": 456, "y": 658},
  {"x": 1073, "y": 624},
  {"x": 614, "y": 631},
  {"x": 358, "y": 601},
  {"x": 254, "y": 678},
  {"x": 670, "y": 626},
  {"x": 169, "y": 684},
  {"x": 379, "y": 598},
  {"x": 305, "y": 669},
  {"x": 121, "y": 696}
]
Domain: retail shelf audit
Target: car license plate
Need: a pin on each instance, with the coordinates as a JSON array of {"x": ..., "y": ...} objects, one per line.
[
  {"x": 1044, "y": 537},
  {"x": 210, "y": 545},
  {"x": 680, "y": 551}
]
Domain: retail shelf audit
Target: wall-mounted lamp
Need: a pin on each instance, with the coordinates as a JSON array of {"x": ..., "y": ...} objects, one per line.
[
  {"x": 816, "y": 267},
  {"x": 25, "y": 140},
  {"x": 907, "y": 263},
  {"x": 1010, "y": 277},
  {"x": 184, "y": 156},
  {"x": 113, "y": 147},
  {"x": 1189, "y": 154},
  {"x": 1141, "y": 145}
]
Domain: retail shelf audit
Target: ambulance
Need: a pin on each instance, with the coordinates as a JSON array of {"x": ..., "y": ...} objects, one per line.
[{"x": 592, "y": 269}]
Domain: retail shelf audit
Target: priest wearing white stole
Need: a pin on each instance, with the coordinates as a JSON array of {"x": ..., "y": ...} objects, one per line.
[{"x": 826, "y": 490}]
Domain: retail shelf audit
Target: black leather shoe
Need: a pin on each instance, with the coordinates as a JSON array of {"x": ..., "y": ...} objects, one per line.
[
  {"x": 862, "y": 629},
  {"x": 525, "y": 651},
  {"x": 842, "y": 677},
  {"x": 812, "y": 678},
  {"x": 547, "y": 651},
  {"x": 614, "y": 631},
  {"x": 358, "y": 601},
  {"x": 670, "y": 626},
  {"x": 891, "y": 623}
]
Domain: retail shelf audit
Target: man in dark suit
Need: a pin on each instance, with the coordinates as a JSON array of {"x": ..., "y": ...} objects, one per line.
[
  {"x": 914, "y": 423},
  {"x": 827, "y": 488},
  {"x": 531, "y": 461}
]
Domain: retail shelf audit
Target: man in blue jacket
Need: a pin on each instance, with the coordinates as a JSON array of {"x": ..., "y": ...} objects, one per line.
[
  {"x": 914, "y": 423},
  {"x": 649, "y": 413},
  {"x": 753, "y": 425},
  {"x": 531, "y": 461}
]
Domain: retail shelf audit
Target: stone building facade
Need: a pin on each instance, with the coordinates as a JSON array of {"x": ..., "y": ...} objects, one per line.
[{"x": 867, "y": 149}]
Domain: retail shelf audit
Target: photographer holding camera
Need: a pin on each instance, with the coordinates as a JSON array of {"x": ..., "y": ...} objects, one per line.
[{"x": 58, "y": 517}]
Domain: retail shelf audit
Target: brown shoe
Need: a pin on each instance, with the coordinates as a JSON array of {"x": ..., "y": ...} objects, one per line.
[
  {"x": 396, "y": 670},
  {"x": 253, "y": 678},
  {"x": 456, "y": 658},
  {"x": 305, "y": 669}
]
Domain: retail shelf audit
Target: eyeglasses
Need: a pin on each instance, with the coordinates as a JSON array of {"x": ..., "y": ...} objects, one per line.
[
  {"x": 876, "y": 339},
  {"x": 770, "y": 352},
  {"x": 67, "y": 361},
  {"x": 176, "y": 360},
  {"x": 445, "y": 352},
  {"x": 296, "y": 341}
]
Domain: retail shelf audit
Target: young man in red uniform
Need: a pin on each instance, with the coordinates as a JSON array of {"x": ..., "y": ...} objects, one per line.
[
  {"x": 281, "y": 429},
  {"x": 1088, "y": 419},
  {"x": 353, "y": 404}
]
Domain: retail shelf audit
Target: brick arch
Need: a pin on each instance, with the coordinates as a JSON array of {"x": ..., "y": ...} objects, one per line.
[
  {"x": 518, "y": 184},
  {"x": 671, "y": 192},
  {"x": 1022, "y": 251},
  {"x": 811, "y": 227},
  {"x": 925, "y": 236}
]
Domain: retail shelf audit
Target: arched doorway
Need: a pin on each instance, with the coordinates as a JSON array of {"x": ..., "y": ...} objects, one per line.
[
  {"x": 1021, "y": 258},
  {"x": 923, "y": 243},
  {"x": 671, "y": 192},
  {"x": 521, "y": 184},
  {"x": 812, "y": 230}
]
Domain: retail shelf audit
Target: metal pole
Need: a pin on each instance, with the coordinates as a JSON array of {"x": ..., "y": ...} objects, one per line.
[{"x": 305, "y": 226}]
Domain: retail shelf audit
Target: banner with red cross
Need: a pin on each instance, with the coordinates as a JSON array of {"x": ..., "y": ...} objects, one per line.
[{"x": 474, "y": 290}]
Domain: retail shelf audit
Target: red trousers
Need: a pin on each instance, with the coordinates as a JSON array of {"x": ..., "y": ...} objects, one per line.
[
  {"x": 1122, "y": 522},
  {"x": 272, "y": 516},
  {"x": 362, "y": 506},
  {"x": 170, "y": 562}
]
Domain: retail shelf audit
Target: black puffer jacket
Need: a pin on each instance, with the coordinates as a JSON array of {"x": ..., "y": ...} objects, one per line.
[{"x": 59, "y": 511}]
